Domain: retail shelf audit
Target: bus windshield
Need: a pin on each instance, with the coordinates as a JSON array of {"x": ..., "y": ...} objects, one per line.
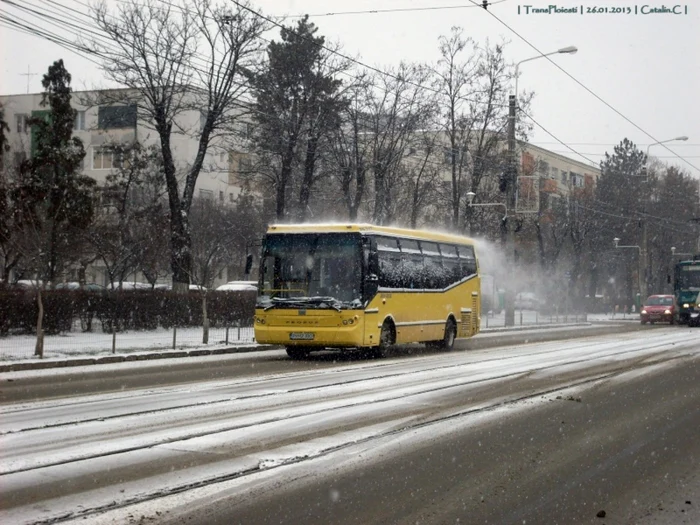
[
  {"x": 321, "y": 270},
  {"x": 689, "y": 277}
]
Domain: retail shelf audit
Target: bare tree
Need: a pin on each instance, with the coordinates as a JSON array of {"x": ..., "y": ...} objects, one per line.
[
  {"x": 472, "y": 82},
  {"x": 175, "y": 59},
  {"x": 129, "y": 219},
  {"x": 350, "y": 148},
  {"x": 397, "y": 107},
  {"x": 419, "y": 180}
]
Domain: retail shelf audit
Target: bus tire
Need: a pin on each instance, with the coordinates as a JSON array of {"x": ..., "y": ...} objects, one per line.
[
  {"x": 298, "y": 352},
  {"x": 448, "y": 341},
  {"x": 387, "y": 339}
]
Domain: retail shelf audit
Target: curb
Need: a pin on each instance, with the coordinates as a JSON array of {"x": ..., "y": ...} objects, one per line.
[{"x": 123, "y": 358}]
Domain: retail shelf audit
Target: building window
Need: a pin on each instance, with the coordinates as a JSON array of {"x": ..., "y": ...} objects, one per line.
[
  {"x": 79, "y": 123},
  {"x": 116, "y": 117},
  {"x": 247, "y": 130},
  {"x": 21, "y": 120},
  {"x": 221, "y": 196},
  {"x": 102, "y": 159},
  {"x": 230, "y": 197},
  {"x": 206, "y": 194},
  {"x": 19, "y": 158},
  {"x": 564, "y": 176},
  {"x": 244, "y": 165}
]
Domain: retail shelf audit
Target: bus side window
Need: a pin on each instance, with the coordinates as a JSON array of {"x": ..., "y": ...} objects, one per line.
[
  {"x": 412, "y": 269},
  {"x": 434, "y": 272},
  {"x": 450, "y": 262},
  {"x": 389, "y": 262},
  {"x": 467, "y": 260}
]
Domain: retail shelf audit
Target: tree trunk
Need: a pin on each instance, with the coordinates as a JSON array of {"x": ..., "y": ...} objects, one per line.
[
  {"x": 181, "y": 259},
  {"x": 308, "y": 178},
  {"x": 205, "y": 320},
  {"x": 39, "y": 348},
  {"x": 379, "y": 197}
]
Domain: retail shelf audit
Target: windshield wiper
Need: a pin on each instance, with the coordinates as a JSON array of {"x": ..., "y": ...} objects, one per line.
[{"x": 304, "y": 301}]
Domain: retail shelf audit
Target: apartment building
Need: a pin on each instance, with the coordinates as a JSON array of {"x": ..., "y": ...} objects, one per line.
[{"x": 101, "y": 124}]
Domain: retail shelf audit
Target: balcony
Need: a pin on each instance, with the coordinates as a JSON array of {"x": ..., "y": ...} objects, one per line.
[{"x": 549, "y": 186}]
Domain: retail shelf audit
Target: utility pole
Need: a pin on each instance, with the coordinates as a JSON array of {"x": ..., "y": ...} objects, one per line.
[
  {"x": 29, "y": 76},
  {"x": 645, "y": 196},
  {"x": 511, "y": 181},
  {"x": 642, "y": 269}
]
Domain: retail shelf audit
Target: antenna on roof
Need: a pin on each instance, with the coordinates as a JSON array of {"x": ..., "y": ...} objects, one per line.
[{"x": 29, "y": 76}]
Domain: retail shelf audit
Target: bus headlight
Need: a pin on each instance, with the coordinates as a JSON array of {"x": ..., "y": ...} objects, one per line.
[
  {"x": 686, "y": 305},
  {"x": 644, "y": 312},
  {"x": 667, "y": 312}
]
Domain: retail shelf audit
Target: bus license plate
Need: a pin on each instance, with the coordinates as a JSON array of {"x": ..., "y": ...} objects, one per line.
[{"x": 301, "y": 336}]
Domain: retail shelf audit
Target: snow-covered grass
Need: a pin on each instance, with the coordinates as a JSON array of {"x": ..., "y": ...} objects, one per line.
[{"x": 77, "y": 343}]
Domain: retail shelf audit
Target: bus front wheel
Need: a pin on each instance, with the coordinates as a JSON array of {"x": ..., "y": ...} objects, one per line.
[
  {"x": 298, "y": 352},
  {"x": 387, "y": 338}
]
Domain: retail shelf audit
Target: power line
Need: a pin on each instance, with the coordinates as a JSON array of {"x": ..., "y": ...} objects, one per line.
[
  {"x": 491, "y": 13},
  {"x": 395, "y": 10}
]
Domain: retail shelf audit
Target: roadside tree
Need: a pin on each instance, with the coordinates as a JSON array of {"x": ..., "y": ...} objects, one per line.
[{"x": 175, "y": 59}]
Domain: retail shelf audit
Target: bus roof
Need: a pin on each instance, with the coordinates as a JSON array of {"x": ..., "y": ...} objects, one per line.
[{"x": 426, "y": 235}]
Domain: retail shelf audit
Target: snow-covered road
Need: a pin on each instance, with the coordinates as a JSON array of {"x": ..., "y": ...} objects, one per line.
[{"x": 99, "y": 455}]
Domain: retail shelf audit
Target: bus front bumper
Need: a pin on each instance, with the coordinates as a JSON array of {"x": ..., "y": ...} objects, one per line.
[{"x": 342, "y": 331}]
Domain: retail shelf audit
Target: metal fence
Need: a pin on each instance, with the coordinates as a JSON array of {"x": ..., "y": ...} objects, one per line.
[
  {"x": 531, "y": 317},
  {"x": 77, "y": 342}
]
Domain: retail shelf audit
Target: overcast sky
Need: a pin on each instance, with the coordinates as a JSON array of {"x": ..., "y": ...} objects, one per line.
[{"x": 646, "y": 66}]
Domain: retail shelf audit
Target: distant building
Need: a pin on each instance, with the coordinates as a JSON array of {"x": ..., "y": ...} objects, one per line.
[{"x": 101, "y": 124}]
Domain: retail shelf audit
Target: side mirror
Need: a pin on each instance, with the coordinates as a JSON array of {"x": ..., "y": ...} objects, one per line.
[
  {"x": 248, "y": 263},
  {"x": 372, "y": 278}
]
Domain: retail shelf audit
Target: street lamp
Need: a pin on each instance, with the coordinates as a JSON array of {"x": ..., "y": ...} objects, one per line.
[
  {"x": 616, "y": 242},
  {"x": 646, "y": 159},
  {"x": 470, "y": 198},
  {"x": 569, "y": 50},
  {"x": 512, "y": 176},
  {"x": 673, "y": 253},
  {"x": 643, "y": 250}
]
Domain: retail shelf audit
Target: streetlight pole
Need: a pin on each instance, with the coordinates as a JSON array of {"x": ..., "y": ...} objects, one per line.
[
  {"x": 642, "y": 297},
  {"x": 512, "y": 180},
  {"x": 643, "y": 255}
]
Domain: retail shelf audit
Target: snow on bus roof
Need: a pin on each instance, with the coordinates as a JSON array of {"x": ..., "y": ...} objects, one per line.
[{"x": 431, "y": 235}]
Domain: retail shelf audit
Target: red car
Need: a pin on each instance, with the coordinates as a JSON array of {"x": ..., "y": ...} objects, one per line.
[{"x": 658, "y": 308}]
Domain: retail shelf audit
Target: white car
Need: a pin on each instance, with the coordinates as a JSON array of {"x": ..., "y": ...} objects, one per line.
[
  {"x": 527, "y": 301},
  {"x": 238, "y": 286}
]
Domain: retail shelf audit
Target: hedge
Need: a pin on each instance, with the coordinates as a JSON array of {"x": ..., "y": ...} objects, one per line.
[{"x": 122, "y": 310}]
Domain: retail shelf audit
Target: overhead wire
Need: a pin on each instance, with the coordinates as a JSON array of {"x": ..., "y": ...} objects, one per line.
[
  {"x": 586, "y": 88},
  {"x": 397, "y": 10}
]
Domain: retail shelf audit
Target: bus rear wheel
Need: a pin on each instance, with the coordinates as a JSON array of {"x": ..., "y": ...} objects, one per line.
[
  {"x": 298, "y": 352},
  {"x": 448, "y": 341}
]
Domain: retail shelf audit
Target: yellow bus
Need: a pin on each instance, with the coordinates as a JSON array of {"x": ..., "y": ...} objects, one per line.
[{"x": 363, "y": 286}]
